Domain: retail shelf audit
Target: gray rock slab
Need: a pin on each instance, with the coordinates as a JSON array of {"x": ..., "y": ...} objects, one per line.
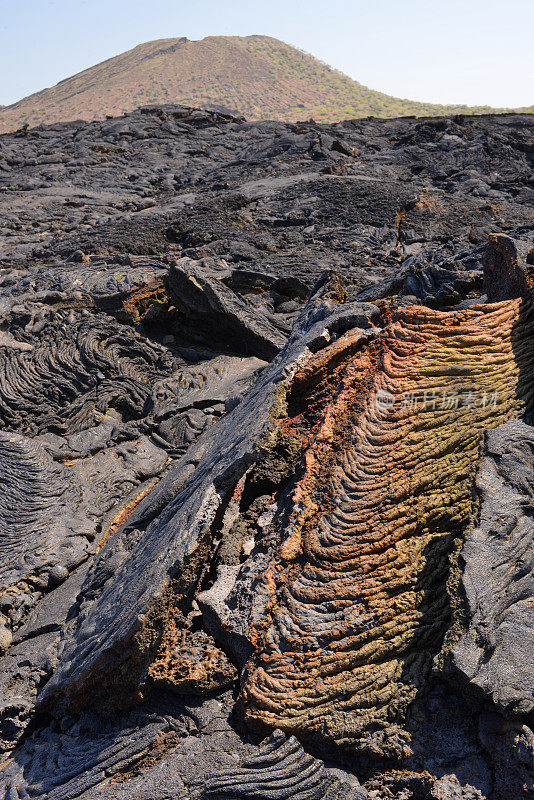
[{"x": 498, "y": 576}]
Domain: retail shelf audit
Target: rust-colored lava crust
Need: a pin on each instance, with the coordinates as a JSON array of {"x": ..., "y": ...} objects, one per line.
[{"x": 359, "y": 603}]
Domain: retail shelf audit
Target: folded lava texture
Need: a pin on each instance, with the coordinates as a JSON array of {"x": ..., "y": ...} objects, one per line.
[
  {"x": 266, "y": 459},
  {"x": 39, "y": 525},
  {"x": 357, "y": 596},
  {"x": 280, "y": 769},
  {"x": 384, "y": 428}
]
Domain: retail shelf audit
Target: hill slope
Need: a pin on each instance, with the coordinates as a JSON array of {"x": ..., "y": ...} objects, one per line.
[{"x": 257, "y": 76}]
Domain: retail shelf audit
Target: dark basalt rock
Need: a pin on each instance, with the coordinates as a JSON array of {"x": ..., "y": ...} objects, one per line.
[
  {"x": 124, "y": 288},
  {"x": 142, "y": 592},
  {"x": 498, "y": 576},
  {"x": 280, "y": 770},
  {"x": 40, "y": 529},
  {"x": 504, "y": 276},
  {"x": 209, "y": 305},
  {"x": 79, "y": 364},
  {"x": 285, "y": 200},
  {"x": 62, "y": 763},
  {"x": 238, "y": 494},
  {"x": 31, "y": 659}
]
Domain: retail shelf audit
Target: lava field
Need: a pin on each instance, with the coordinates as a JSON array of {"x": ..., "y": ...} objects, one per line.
[{"x": 267, "y": 459}]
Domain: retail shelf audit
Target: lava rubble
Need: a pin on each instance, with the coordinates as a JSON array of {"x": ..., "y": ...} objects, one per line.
[{"x": 266, "y": 397}]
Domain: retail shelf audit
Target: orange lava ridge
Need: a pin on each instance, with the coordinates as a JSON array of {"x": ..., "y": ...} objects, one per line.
[{"x": 393, "y": 425}]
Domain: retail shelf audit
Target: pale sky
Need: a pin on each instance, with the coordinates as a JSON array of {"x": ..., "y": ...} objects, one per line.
[{"x": 478, "y": 52}]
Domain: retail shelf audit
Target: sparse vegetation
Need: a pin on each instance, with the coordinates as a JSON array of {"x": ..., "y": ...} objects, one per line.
[{"x": 256, "y": 76}]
